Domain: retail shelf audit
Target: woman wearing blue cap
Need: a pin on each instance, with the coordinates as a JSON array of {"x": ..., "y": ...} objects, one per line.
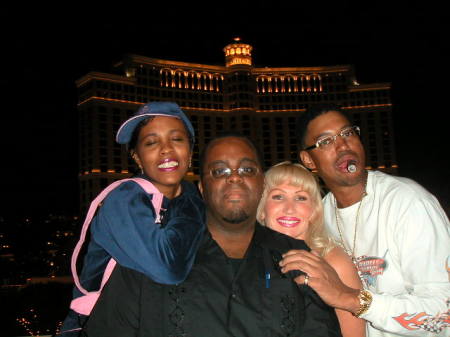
[{"x": 128, "y": 227}]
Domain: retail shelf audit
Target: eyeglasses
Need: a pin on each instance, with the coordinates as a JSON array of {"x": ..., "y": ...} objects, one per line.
[
  {"x": 327, "y": 141},
  {"x": 226, "y": 172}
]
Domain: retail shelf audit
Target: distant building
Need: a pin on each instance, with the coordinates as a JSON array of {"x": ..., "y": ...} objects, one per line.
[{"x": 261, "y": 102}]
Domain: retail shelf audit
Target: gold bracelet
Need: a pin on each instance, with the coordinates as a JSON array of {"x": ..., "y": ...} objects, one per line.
[{"x": 365, "y": 300}]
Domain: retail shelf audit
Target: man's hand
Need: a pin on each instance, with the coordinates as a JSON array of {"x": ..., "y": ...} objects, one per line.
[{"x": 322, "y": 278}]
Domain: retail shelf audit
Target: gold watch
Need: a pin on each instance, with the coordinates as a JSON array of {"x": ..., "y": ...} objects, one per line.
[{"x": 365, "y": 300}]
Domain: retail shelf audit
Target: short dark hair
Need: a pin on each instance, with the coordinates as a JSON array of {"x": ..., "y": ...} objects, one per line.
[
  {"x": 227, "y": 134},
  {"x": 313, "y": 111}
]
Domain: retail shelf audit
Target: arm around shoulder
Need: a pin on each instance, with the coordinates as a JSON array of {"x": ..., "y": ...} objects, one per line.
[{"x": 125, "y": 227}]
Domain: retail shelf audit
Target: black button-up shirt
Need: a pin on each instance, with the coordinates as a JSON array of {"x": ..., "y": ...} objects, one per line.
[{"x": 221, "y": 297}]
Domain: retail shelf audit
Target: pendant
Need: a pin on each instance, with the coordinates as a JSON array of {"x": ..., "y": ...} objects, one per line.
[{"x": 349, "y": 253}]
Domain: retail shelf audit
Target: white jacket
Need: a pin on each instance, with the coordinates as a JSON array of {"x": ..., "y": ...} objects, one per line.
[{"x": 402, "y": 250}]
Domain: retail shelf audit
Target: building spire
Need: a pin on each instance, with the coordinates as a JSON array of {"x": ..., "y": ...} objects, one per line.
[{"x": 238, "y": 53}]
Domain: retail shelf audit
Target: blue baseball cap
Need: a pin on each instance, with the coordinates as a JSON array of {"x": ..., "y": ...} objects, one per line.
[{"x": 168, "y": 109}]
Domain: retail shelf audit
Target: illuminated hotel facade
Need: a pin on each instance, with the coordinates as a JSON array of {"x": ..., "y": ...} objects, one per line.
[{"x": 260, "y": 102}]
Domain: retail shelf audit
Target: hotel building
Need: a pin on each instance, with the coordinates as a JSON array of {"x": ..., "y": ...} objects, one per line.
[{"x": 261, "y": 102}]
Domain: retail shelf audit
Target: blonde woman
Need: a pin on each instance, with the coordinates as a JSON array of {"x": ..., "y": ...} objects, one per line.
[{"x": 292, "y": 204}]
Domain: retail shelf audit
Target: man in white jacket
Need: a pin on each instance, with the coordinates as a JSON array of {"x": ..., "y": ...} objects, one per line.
[{"x": 395, "y": 231}]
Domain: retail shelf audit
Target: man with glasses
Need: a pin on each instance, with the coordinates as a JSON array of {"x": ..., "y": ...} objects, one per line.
[
  {"x": 394, "y": 230},
  {"x": 236, "y": 287}
]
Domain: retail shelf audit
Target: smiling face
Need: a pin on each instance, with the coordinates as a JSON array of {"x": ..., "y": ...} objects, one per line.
[
  {"x": 231, "y": 202},
  {"x": 331, "y": 163},
  {"x": 163, "y": 152},
  {"x": 292, "y": 202},
  {"x": 288, "y": 210}
]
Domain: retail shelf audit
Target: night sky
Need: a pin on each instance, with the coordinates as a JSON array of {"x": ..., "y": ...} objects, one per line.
[{"x": 45, "y": 50}]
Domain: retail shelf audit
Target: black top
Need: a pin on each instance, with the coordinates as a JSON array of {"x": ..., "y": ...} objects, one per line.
[{"x": 257, "y": 300}]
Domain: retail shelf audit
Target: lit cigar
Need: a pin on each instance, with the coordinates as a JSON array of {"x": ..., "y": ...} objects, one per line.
[{"x": 351, "y": 167}]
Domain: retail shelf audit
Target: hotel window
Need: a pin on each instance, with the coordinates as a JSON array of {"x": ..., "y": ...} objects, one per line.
[
  {"x": 103, "y": 182},
  {"x": 116, "y": 116},
  {"x": 129, "y": 113},
  {"x": 102, "y": 126},
  {"x": 294, "y": 155}
]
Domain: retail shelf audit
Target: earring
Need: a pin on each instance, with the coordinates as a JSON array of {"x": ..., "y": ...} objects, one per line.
[
  {"x": 142, "y": 170},
  {"x": 190, "y": 162}
]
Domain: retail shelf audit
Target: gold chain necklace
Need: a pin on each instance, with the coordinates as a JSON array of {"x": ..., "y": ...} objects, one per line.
[{"x": 351, "y": 253}]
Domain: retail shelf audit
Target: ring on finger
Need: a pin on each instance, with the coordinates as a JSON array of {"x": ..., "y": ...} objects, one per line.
[{"x": 306, "y": 280}]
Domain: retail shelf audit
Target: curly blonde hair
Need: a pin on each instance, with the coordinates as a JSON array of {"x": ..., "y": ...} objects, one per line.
[{"x": 297, "y": 175}]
